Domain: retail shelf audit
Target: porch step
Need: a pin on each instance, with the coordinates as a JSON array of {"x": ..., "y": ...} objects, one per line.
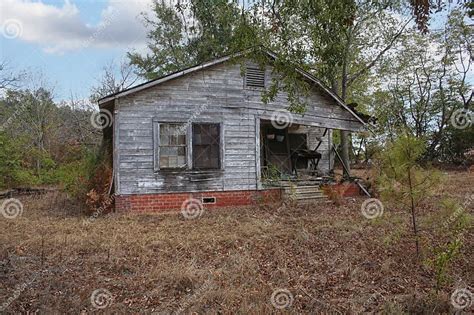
[{"x": 304, "y": 193}]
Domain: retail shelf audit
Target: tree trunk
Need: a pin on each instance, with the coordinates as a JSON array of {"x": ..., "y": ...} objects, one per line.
[
  {"x": 345, "y": 135},
  {"x": 413, "y": 216},
  {"x": 345, "y": 152}
]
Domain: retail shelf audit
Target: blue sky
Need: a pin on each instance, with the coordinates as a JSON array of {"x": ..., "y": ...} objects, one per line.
[{"x": 69, "y": 41}]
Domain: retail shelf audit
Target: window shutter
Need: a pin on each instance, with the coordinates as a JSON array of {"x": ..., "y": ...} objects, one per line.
[{"x": 255, "y": 77}]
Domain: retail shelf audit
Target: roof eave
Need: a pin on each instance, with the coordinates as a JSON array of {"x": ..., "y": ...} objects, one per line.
[{"x": 304, "y": 73}]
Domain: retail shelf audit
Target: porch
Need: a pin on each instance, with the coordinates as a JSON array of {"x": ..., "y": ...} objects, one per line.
[
  {"x": 299, "y": 159},
  {"x": 294, "y": 153}
]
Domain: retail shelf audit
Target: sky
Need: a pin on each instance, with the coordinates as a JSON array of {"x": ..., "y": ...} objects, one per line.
[{"x": 70, "y": 41}]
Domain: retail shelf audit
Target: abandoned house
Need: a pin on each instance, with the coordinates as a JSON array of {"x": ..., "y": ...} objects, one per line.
[{"x": 205, "y": 133}]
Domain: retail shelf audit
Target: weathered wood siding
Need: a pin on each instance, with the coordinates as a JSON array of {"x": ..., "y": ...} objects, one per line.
[{"x": 214, "y": 95}]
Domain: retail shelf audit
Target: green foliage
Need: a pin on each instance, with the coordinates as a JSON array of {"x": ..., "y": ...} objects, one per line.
[
  {"x": 40, "y": 142},
  {"x": 454, "y": 143},
  {"x": 450, "y": 223},
  {"x": 74, "y": 176},
  {"x": 403, "y": 180},
  {"x": 421, "y": 84},
  {"x": 10, "y": 159},
  {"x": 271, "y": 174},
  {"x": 442, "y": 260},
  {"x": 186, "y": 34},
  {"x": 328, "y": 38}
]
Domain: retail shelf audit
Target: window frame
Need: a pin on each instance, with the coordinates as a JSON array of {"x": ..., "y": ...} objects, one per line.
[
  {"x": 157, "y": 145},
  {"x": 189, "y": 144},
  {"x": 220, "y": 143}
]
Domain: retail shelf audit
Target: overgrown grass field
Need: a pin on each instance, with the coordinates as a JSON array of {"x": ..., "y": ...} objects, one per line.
[{"x": 328, "y": 258}]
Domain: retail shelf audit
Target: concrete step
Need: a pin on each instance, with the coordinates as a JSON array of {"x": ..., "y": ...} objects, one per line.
[
  {"x": 303, "y": 189},
  {"x": 305, "y": 193},
  {"x": 307, "y": 197}
]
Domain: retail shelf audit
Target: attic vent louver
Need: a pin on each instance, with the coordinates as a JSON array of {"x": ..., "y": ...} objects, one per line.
[{"x": 254, "y": 77}]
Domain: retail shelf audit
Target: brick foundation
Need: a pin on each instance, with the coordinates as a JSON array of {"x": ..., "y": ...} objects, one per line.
[
  {"x": 346, "y": 189},
  {"x": 174, "y": 201}
]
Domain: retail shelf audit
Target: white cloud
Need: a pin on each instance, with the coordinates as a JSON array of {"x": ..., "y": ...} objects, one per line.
[{"x": 58, "y": 29}]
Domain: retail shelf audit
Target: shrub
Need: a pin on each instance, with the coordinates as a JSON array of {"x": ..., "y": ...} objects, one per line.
[
  {"x": 403, "y": 180},
  {"x": 9, "y": 161}
]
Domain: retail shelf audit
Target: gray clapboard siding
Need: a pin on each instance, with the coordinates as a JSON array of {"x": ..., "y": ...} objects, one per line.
[{"x": 214, "y": 95}]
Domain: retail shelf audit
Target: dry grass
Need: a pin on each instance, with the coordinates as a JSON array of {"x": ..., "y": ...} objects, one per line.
[{"x": 330, "y": 258}]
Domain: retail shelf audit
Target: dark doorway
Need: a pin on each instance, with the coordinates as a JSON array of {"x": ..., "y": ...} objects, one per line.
[{"x": 275, "y": 148}]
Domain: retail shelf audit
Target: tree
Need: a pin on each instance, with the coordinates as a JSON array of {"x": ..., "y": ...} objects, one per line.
[
  {"x": 422, "y": 10},
  {"x": 403, "y": 180},
  {"x": 8, "y": 78},
  {"x": 10, "y": 158},
  {"x": 115, "y": 78},
  {"x": 34, "y": 116},
  {"x": 425, "y": 81},
  {"x": 186, "y": 34}
]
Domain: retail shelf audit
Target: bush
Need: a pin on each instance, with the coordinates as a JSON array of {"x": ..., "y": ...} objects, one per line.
[
  {"x": 9, "y": 161},
  {"x": 74, "y": 176}
]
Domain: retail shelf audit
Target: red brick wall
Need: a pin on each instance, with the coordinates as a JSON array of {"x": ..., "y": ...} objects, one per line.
[
  {"x": 174, "y": 201},
  {"x": 346, "y": 189}
]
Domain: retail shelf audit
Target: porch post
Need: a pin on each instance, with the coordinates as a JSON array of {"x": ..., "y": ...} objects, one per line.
[{"x": 258, "y": 169}]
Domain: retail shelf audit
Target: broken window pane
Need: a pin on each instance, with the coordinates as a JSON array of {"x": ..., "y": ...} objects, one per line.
[{"x": 172, "y": 146}]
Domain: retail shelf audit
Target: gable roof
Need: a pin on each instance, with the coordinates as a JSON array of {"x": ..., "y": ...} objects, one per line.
[{"x": 204, "y": 65}]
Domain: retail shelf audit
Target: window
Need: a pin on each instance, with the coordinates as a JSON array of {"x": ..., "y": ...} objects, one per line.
[
  {"x": 206, "y": 146},
  {"x": 255, "y": 77},
  {"x": 172, "y": 146}
]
